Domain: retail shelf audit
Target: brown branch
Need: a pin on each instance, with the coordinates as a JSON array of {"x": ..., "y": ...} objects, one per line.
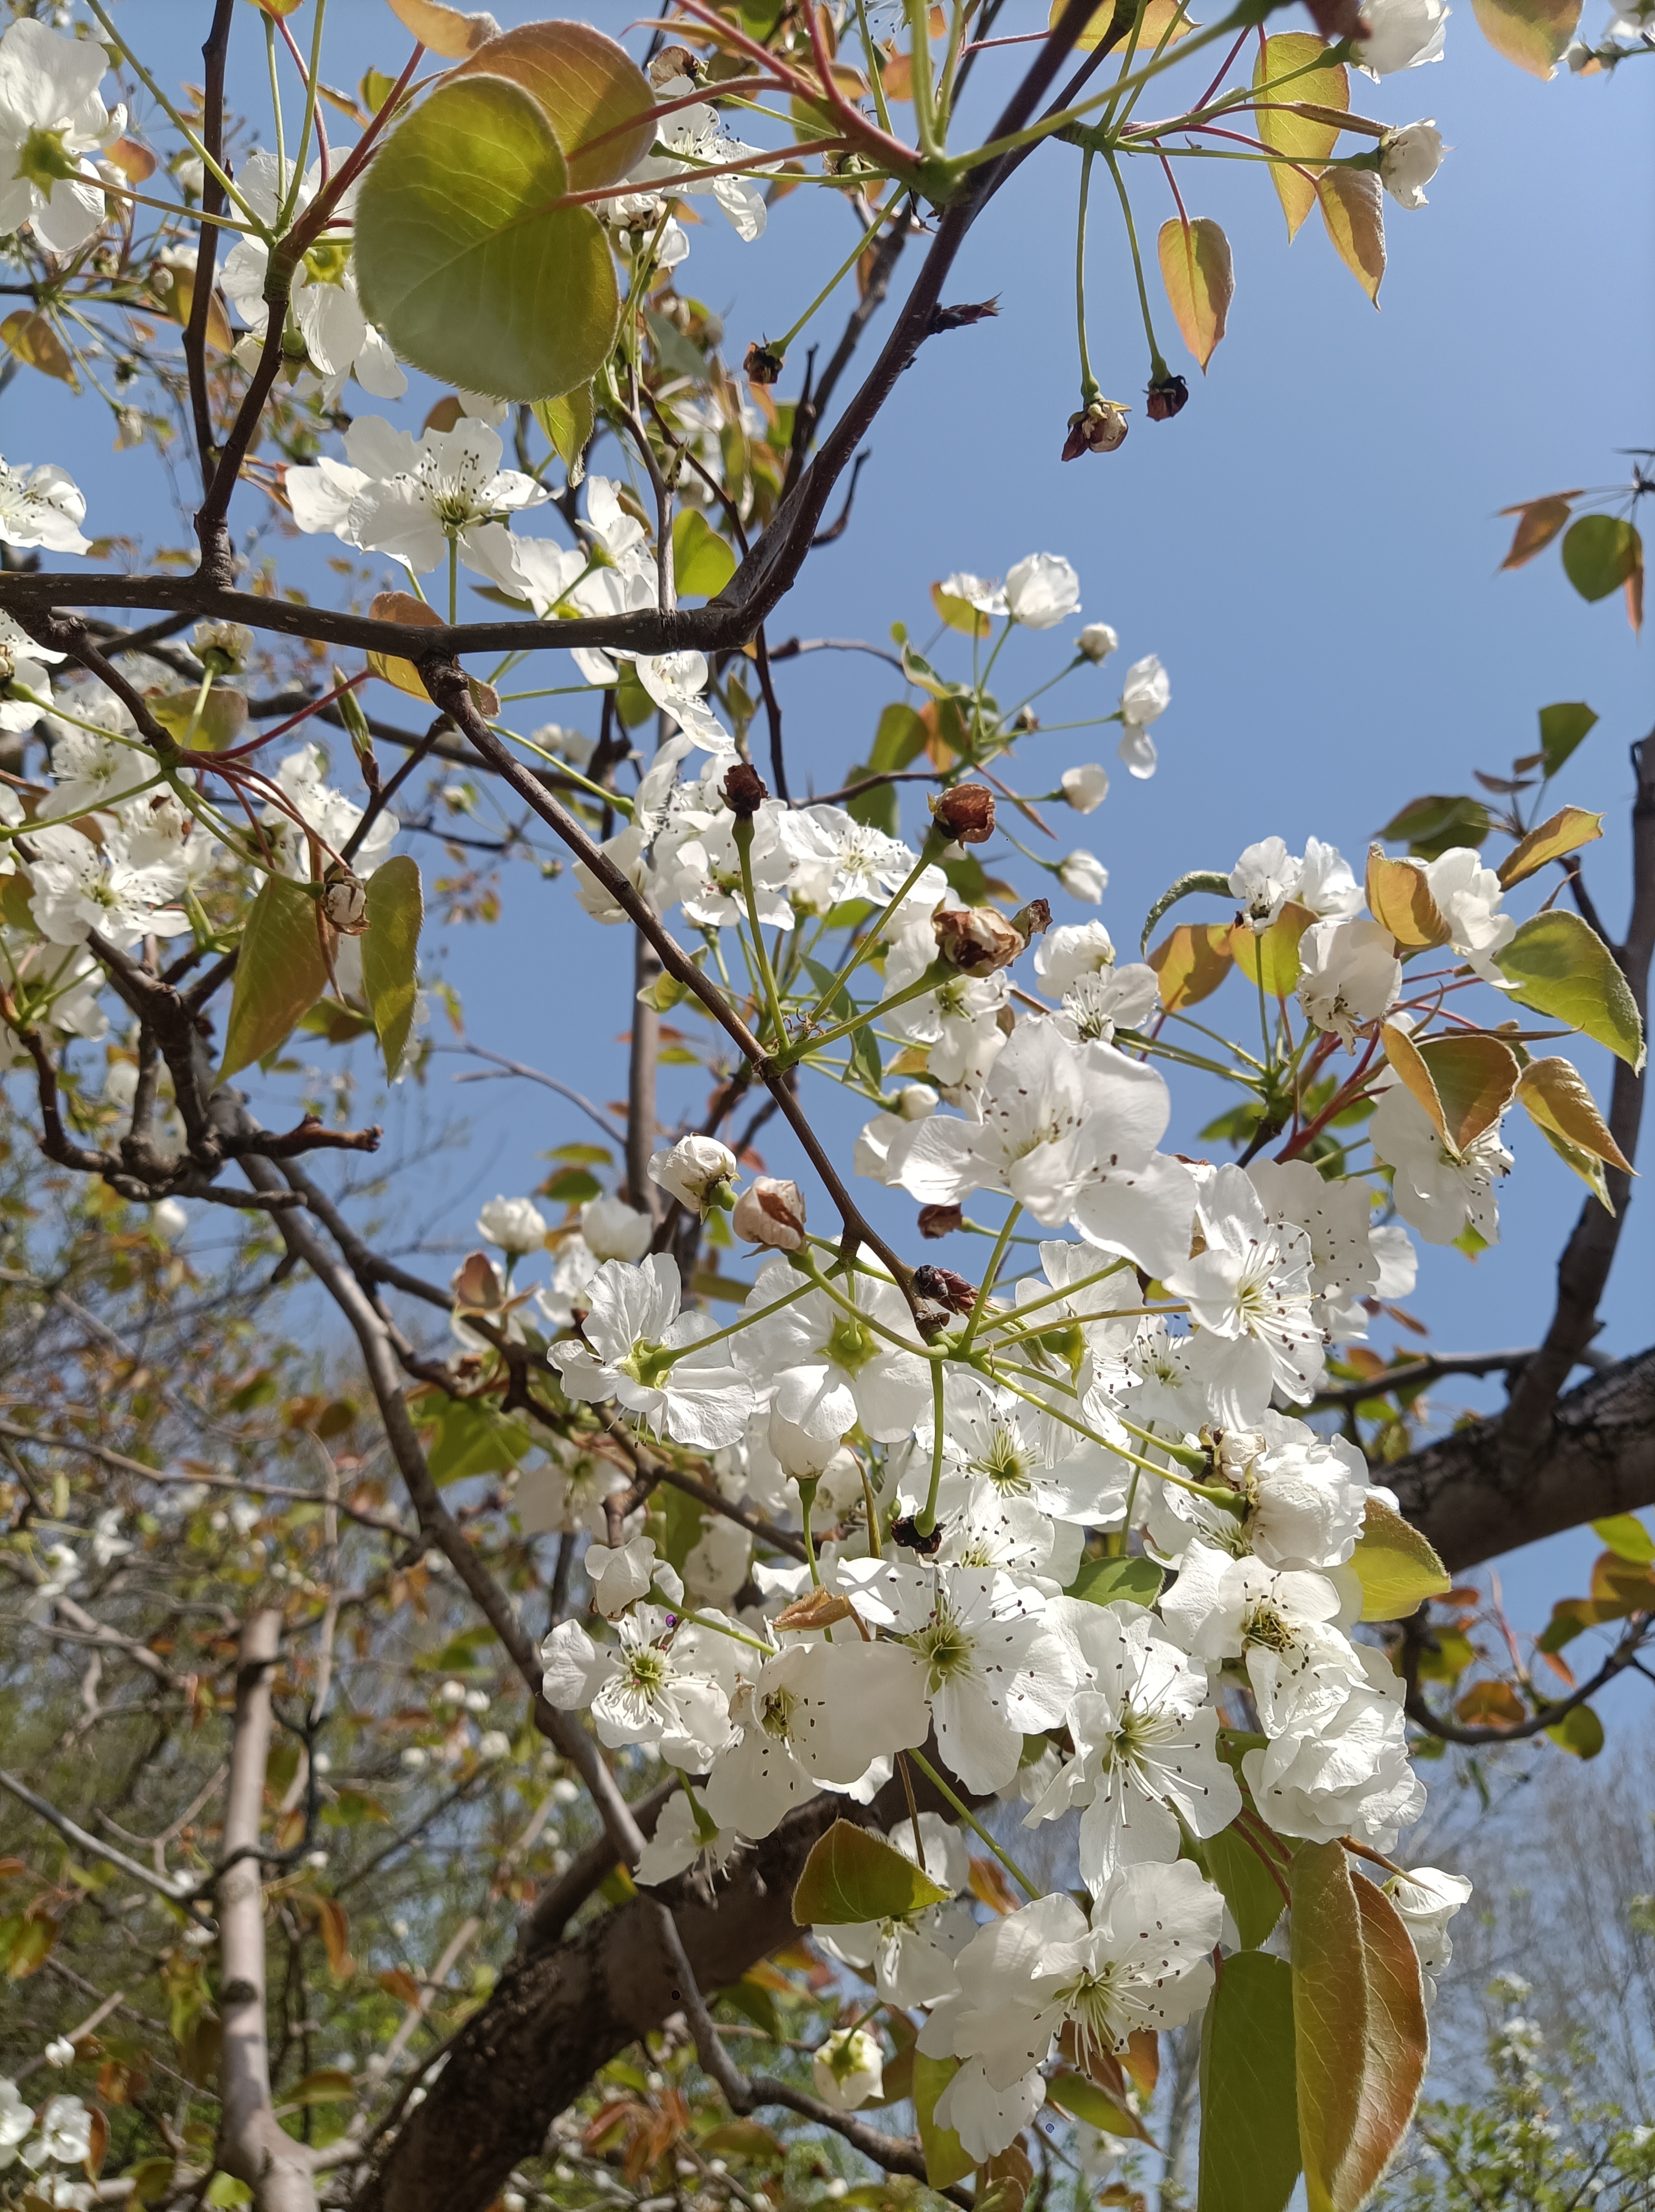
[
  {"x": 1413, "y": 1374},
  {"x": 1624, "y": 1655},
  {"x": 215, "y": 53}
]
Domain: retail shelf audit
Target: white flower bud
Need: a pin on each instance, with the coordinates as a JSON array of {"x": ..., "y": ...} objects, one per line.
[
  {"x": 1084, "y": 876},
  {"x": 848, "y": 2068},
  {"x": 693, "y": 1172},
  {"x": 615, "y": 1230},
  {"x": 1097, "y": 642},
  {"x": 1087, "y": 786},
  {"x": 228, "y": 642},
  {"x": 1409, "y": 159},
  {"x": 515, "y": 1224},
  {"x": 802, "y": 1456}
]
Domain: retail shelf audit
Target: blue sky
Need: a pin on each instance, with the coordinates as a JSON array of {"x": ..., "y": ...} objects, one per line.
[{"x": 1312, "y": 548}]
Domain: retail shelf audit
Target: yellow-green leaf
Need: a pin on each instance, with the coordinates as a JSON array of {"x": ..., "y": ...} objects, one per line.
[
  {"x": 1164, "y": 23},
  {"x": 1599, "y": 553},
  {"x": 1580, "y": 1733},
  {"x": 596, "y": 98},
  {"x": 1353, "y": 211},
  {"x": 1358, "y": 2028},
  {"x": 959, "y": 614},
  {"x": 945, "y": 2160},
  {"x": 853, "y": 1875},
  {"x": 1560, "y": 966},
  {"x": 1399, "y": 897},
  {"x": 1191, "y": 963},
  {"x": 566, "y": 421},
  {"x": 37, "y": 345},
  {"x": 702, "y": 562},
  {"x": 1627, "y": 1538},
  {"x": 1249, "y": 2108},
  {"x": 1563, "y": 725},
  {"x": 1475, "y": 1080},
  {"x": 1106, "y": 1582},
  {"x": 390, "y": 951},
  {"x": 1557, "y": 1098},
  {"x": 1586, "y": 1166},
  {"x": 1395, "y": 1565},
  {"x": 1237, "y": 1865},
  {"x": 404, "y": 607},
  {"x": 221, "y": 717},
  {"x": 1569, "y": 829},
  {"x": 279, "y": 974},
  {"x": 1531, "y": 33},
  {"x": 1084, "y": 2100},
  {"x": 1275, "y": 954},
  {"x": 468, "y": 256},
  {"x": 1199, "y": 280},
  {"x": 1300, "y": 138},
  {"x": 445, "y": 31}
]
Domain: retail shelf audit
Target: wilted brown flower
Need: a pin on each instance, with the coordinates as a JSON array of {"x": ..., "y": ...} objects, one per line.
[
  {"x": 770, "y": 1211},
  {"x": 976, "y": 940},
  {"x": 745, "y": 791},
  {"x": 1099, "y": 428},
  {"x": 936, "y": 1221},
  {"x": 1167, "y": 398},
  {"x": 947, "y": 1289},
  {"x": 344, "y": 900},
  {"x": 965, "y": 814},
  {"x": 763, "y": 364}
]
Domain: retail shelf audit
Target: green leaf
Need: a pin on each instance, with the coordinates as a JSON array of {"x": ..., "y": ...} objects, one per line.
[
  {"x": 582, "y": 1156},
  {"x": 1429, "y": 826},
  {"x": 1561, "y": 967},
  {"x": 1580, "y": 1733},
  {"x": 1627, "y": 1538},
  {"x": 1533, "y": 33},
  {"x": 1251, "y": 1891},
  {"x": 1084, "y": 2100},
  {"x": 1292, "y": 55},
  {"x": 467, "y": 257},
  {"x": 901, "y": 737},
  {"x": 396, "y": 909},
  {"x": 1358, "y": 2028},
  {"x": 1248, "y": 2109},
  {"x": 567, "y": 422},
  {"x": 1563, "y": 833},
  {"x": 852, "y": 1875},
  {"x": 572, "y": 1186},
  {"x": 1600, "y": 551},
  {"x": 878, "y": 806},
  {"x": 589, "y": 88},
  {"x": 865, "y": 1062},
  {"x": 1199, "y": 879},
  {"x": 224, "y": 2190},
  {"x": 1101, "y": 1582},
  {"x": 329, "y": 2085},
  {"x": 702, "y": 562},
  {"x": 1562, "y": 727},
  {"x": 945, "y": 2160},
  {"x": 1200, "y": 278},
  {"x": 279, "y": 975},
  {"x": 1397, "y": 1567},
  {"x": 678, "y": 355},
  {"x": 472, "y": 1440}
]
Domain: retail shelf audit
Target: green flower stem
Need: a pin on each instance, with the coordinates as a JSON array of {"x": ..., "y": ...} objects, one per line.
[
  {"x": 453, "y": 582},
  {"x": 934, "y": 977},
  {"x": 875, "y": 1551},
  {"x": 1031, "y": 1889},
  {"x": 58, "y": 821},
  {"x": 929, "y": 851},
  {"x": 925, "y": 111},
  {"x": 1054, "y": 1298},
  {"x": 290, "y": 199},
  {"x": 598, "y": 790},
  {"x": 980, "y": 1310},
  {"x": 926, "y": 1521},
  {"x": 706, "y": 1826},
  {"x": 178, "y": 123},
  {"x": 881, "y": 108},
  {"x": 742, "y": 832},
  {"x": 15, "y": 691},
  {"x": 1090, "y": 387},
  {"x": 721, "y": 1627},
  {"x": 806, "y": 1500},
  {"x": 1158, "y": 369},
  {"x": 780, "y": 346},
  {"x": 950, "y": 62},
  {"x": 1230, "y": 1500},
  {"x": 276, "y": 95},
  {"x": 664, "y": 1364},
  {"x": 551, "y": 690},
  {"x": 866, "y": 1320}
]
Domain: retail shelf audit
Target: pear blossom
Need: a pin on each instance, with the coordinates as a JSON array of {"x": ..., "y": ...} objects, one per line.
[
  {"x": 694, "y": 1171},
  {"x": 23, "y": 663},
  {"x": 1336, "y": 1217},
  {"x": 111, "y": 888},
  {"x": 1095, "y": 642},
  {"x": 515, "y": 1224},
  {"x": 1071, "y": 951},
  {"x": 848, "y": 2069},
  {"x": 694, "y": 138},
  {"x": 1327, "y": 885},
  {"x": 1096, "y": 1005},
  {"x": 1145, "y": 697},
  {"x": 837, "y": 858},
  {"x": 1350, "y": 1775},
  {"x": 1469, "y": 894},
  {"x": 1349, "y": 976},
  {"x": 1426, "y": 1899},
  {"x": 1082, "y": 874},
  {"x": 41, "y": 505},
  {"x": 660, "y": 1685},
  {"x": 51, "y": 117},
  {"x": 1250, "y": 1291},
  {"x": 829, "y": 1368},
  {"x": 413, "y": 498},
  {"x": 562, "y": 1495},
  {"x": 65, "y": 2125},
  {"x": 302, "y": 776},
  {"x": 1409, "y": 159},
  {"x": 677, "y": 1843},
  {"x": 620, "y": 1574},
  {"x": 16, "y": 2118},
  {"x": 1263, "y": 879},
  {"x": 1084, "y": 788},
  {"x": 882, "y": 1144},
  {"x": 1401, "y": 34},
  {"x": 636, "y": 1346},
  {"x": 1437, "y": 1192},
  {"x": 1041, "y": 591},
  {"x": 1299, "y": 1667},
  {"x": 615, "y": 1230}
]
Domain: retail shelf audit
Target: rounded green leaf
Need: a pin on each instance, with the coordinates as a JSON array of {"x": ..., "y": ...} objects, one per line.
[
  {"x": 1562, "y": 727},
  {"x": 279, "y": 975},
  {"x": 1560, "y": 966},
  {"x": 470, "y": 260},
  {"x": 1580, "y": 1733},
  {"x": 702, "y": 562},
  {"x": 946, "y": 2159},
  {"x": 1600, "y": 552},
  {"x": 1101, "y": 1582},
  {"x": 1395, "y": 1565},
  {"x": 1248, "y": 2109},
  {"x": 596, "y": 98},
  {"x": 853, "y": 1875},
  {"x": 396, "y": 909}
]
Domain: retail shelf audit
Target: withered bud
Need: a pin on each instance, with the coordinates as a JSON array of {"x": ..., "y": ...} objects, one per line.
[
  {"x": 1099, "y": 428},
  {"x": 960, "y": 317},
  {"x": 674, "y": 61},
  {"x": 1025, "y": 722},
  {"x": 344, "y": 900},
  {"x": 1167, "y": 398},
  {"x": 976, "y": 940},
  {"x": 476, "y": 1285},
  {"x": 1034, "y": 919},
  {"x": 945, "y": 1288},
  {"x": 763, "y": 364},
  {"x": 965, "y": 815},
  {"x": 904, "y": 1533},
  {"x": 745, "y": 791},
  {"x": 770, "y": 1211},
  {"x": 936, "y": 1221}
]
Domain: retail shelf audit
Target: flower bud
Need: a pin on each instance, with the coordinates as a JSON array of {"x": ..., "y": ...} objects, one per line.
[
  {"x": 945, "y": 1288},
  {"x": 1409, "y": 159},
  {"x": 915, "y": 1101},
  {"x": 695, "y": 1171},
  {"x": 965, "y": 815},
  {"x": 515, "y": 1224},
  {"x": 1099, "y": 428},
  {"x": 1084, "y": 876},
  {"x": 1087, "y": 786},
  {"x": 224, "y": 646},
  {"x": 1097, "y": 642},
  {"x": 674, "y": 61},
  {"x": 771, "y": 1213},
  {"x": 615, "y": 1230},
  {"x": 1032, "y": 921},
  {"x": 762, "y": 365},
  {"x": 8, "y": 664},
  {"x": 801, "y": 1457},
  {"x": 936, "y": 1221},
  {"x": 745, "y": 791},
  {"x": 976, "y": 940},
  {"x": 1168, "y": 397},
  {"x": 344, "y": 900}
]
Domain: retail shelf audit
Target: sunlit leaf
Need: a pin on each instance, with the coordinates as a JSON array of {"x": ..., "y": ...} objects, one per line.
[
  {"x": 853, "y": 1875},
  {"x": 1627, "y": 1538},
  {"x": 567, "y": 422},
  {"x": 1600, "y": 551},
  {"x": 1475, "y": 1080},
  {"x": 279, "y": 975},
  {"x": 1560, "y": 966},
  {"x": 1163, "y": 20},
  {"x": 1395, "y": 1565},
  {"x": 945, "y": 2160},
  {"x": 1256, "y": 1896},
  {"x": 1538, "y": 521},
  {"x": 1084, "y": 2100},
  {"x": 1399, "y": 897},
  {"x": 596, "y": 98},
  {"x": 469, "y": 259},
  {"x": 1103, "y": 1581},
  {"x": 1558, "y": 1100},
  {"x": 1580, "y": 1733},
  {"x": 1248, "y": 2106},
  {"x": 1531, "y": 33},
  {"x": 404, "y": 607},
  {"x": 1274, "y": 955},
  {"x": 446, "y": 31},
  {"x": 1302, "y": 140},
  {"x": 1199, "y": 280},
  {"x": 959, "y": 614},
  {"x": 1431, "y": 825},
  {"x": 205, "y": 726},
  {"x": 1567, "y": 831},
  {"x": 32, "y": 339},
  {"x": 389, "y": 949},
  {"x": 701, "y": 561},
  {"x": 1191, "y": 963},
  {"x": 1353, "y": 211}
]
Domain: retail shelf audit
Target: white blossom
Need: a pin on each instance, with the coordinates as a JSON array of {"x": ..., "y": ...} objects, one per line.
[
  {"x": 637, "y": 1346},
  {"x": 41, "y": 505},
  {"x": 1041, "y": 591},
  {"x": 1146, "y": 696},
  {"x": 51, "y": 117},
  {"x": 694, "y": 1170},
  {"x": 515, "y": 1224},
  {"x": 1426, "y": 1899},
  {"x": 1082, "y": 874},
  {"x": 1401, "y": 34},
  {"x": 1437, "y": 1192},
  {"x": 1349, "y": 976},
  {"x": 1409, "y": 159},
  {"x": 1095, "y": 642},
  {"x": 848, "y": 2069}
]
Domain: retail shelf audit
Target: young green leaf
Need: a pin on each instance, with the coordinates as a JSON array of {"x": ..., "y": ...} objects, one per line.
[
  {"x": 1627, "y": 1538},
  {"x": 567, "y": 422},
  {"x": 1253, "y": 1893},
  {"x": 1199, "y": 279},
  {"x": 1275, "y": 956},
  {"x": 1562, "y": 727},
  {"x": 1531, "y": 33},
  {"x": 1431, "y": 825},
  {"x": 853, "y": 1875},
  {"x": 1560, "y": 966},
  {"x": 1084, "y": 2100},
  {"x": 467, "y": 256},
  {"x": 1395, "y": 1565},
  {"x": 1353, "y": 211},
  {"x": 1580, "y": 1733},
  {"x": 1475, "y": 1080},
  {"x": 440, "y": 30},
  {"x": 390, "y": 952},
  {"x": 945, "y": 2160},
  {"x": 1303, "y": 141},
  {"x": 280, "y": 973},
  {"x": 702, "y": 562},
  {"x": 1102, "y": 1582},
  {"x": 1558, "y": 1100},
  {"x": 1599, "y": 553},
  {"x": 1249, "y": 2110}
]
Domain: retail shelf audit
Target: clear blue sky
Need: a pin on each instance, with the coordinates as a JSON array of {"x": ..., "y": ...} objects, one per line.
[{"x": 1310, "y": 547}]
